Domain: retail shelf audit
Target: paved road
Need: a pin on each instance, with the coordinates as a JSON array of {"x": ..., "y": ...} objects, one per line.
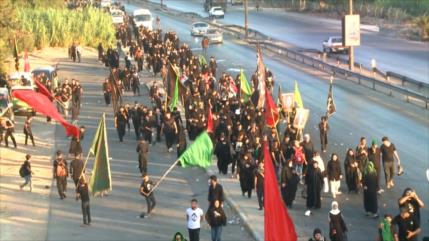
[
  {"x": 361, "y": 112},
  {"x": 409, "y": 58},
  {"x": 115, "y": 217}
]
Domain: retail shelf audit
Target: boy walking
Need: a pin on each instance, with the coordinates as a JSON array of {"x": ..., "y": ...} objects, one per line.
[{"x": 26, "y": 172}]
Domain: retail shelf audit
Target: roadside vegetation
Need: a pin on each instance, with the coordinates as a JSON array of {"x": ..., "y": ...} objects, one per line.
[
  {"x": 410, "y": 14},
  {"x": 37, "y": 24}
]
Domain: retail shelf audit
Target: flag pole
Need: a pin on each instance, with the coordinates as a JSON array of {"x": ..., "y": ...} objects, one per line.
[{"x": 163, "y": 176}]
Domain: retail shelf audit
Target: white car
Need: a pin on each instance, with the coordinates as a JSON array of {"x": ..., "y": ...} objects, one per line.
[
  {"x": 216, "y": 12},
  {"x": 143, "y": 17},
  {"x": 117, "y": 16},
  {"x": 215, "y": 36},
  {"x": 199, "y": 28},
  {"x": 334, "y": 45}
]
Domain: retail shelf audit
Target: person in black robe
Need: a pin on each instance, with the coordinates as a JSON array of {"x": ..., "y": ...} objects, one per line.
[
  {"x": 351, "y": 167},
  {"x": 181, "y": 142},
  {"x": 247, "y": 175},
  {"x": 223, "y": 154},
  {"x": 289, "y": 183},
  {"x": 121, "y": 123},
  {"x": 314, "y": 181},
  {"x": 142, "y": 149},
  {"x": 337, "y": 226},
  {"x": 170, "y": 130},
  {"x": 370, "y": 190},
  {"x": 374, "y": 156},
  {"x": 76, "y": 143}
]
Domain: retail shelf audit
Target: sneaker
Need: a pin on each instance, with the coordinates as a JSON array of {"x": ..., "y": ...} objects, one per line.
[
  {"x": 380, "y": 191},
  {"x": 375, "y": 215},
  {"x": 307, "y": 213}
]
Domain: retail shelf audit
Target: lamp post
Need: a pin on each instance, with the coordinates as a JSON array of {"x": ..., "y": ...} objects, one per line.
[
  {"x": 351, "y": 48},
  {"x": 246, "y": 23}
]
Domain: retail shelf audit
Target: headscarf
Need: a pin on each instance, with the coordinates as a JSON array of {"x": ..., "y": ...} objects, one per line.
[
  {"x": 334, "y": 210},
  {"x": 386, "y": 232},
  {"x": 181, "y": 237},
  {"x": 369, "y": 169}
]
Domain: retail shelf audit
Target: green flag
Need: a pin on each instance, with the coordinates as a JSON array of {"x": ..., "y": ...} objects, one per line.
[
  {"x": 101, "y": 179},
  {"x": 203, "y": 60},
  {"x": 245, "y": 87},
  {"x": 176, "y": 94},
  {"x": 199, "y": 153},
  {"x": 297, "y": 95}
]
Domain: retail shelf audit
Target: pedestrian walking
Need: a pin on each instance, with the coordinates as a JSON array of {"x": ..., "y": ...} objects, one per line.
[
  {"x": 289, "y": 183},
  {"x": 107, "y": 91},
  {"x": 194, "y": 217},
  {"x": 26, "y": 172},
  {"x": 205, "y": 45},
  {"x": 386, "y": 231},
  {"x": 334, "y": 175},
  {"x": 370, "y": 190},
  {"x": 411, "y": 200},
  {"x": 216, "y": 218},
  {"x": 259, "y": 184},
  {"x": 76, "y": 170},
  {"x": 142, "y": 150},
  {"x": 83, "y": 194},
  {"x": 319, "y": 160},
  {"x": 314, "y": 181},
  {"x": 337, "y": 226},
  {"x": 75, "y": 148},
  {"x": 323, "y": 130},
  {"x": 299, "y": 160},
  {"x": 247, "y": 175},
  {"x": 374, "y": 156},
  {"x": 407, "y": 225},
  {"x": 351, "y": 169},
  {"x": 388, "y": 155},
  {"x": 215, "y": 191},
  {"x": 27, "y": 130},
  {"x": 223, "y": 154},
  {"x": 61, "y": 174},
  {"x": 146, "y": 190},
  {"x": 9, "y": 128},
  {"x": 121, "y": 123},
  {"x": 169, "y": 128},
  {"x": 317, "y": 235}
]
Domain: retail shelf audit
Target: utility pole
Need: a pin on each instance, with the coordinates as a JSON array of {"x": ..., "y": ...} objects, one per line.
[
  {"x": 246, "y": 23},
  {"x": 351, "y": 48}
]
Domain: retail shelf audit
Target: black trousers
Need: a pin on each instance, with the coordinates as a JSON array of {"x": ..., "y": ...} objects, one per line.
[
  {"x": 62, "y": 186},
  {"x": 194, "y": 234},
  {"x": 323, "y": 140},
  {"x": 86, "y": 213},
  {"x": 31, "y": 138},
  {"x": 170, "y": 139},
  {"x": 121, "y": 132},
  {"x": 6, "y": 138},
  {"x": 142, "y": 165},
  {"x": 151, "y": 202},
  {"x": 107, "y": 98},
  {"x": 136, "y": 125},
  {"x": 260, "y": 194}
]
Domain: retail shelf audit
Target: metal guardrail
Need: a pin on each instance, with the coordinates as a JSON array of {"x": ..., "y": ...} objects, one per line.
[
  {"x": 405, "y": 79},
  {"x": 410, "y": 96}
]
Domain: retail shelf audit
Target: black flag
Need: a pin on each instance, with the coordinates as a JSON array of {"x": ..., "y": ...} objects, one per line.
[{"x": 330, "y": 104}]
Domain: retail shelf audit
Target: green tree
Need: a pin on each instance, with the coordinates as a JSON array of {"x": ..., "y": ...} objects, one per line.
[{"x": 422, "y": 22}]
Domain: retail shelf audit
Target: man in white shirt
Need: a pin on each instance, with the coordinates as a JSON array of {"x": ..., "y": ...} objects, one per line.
[{"x": 194, "y": 216}]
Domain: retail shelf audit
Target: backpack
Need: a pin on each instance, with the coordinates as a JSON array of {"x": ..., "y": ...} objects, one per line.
[
  {"x": 61, "y": 170},
  {"x": 22, "y": 171}
]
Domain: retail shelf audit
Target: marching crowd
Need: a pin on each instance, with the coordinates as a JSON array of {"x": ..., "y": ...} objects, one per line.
[{"x": 239, "y": 132}]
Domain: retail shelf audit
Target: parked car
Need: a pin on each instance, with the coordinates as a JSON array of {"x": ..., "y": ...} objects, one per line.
[
  {"x": 6, "y": 106},
  {"x": 215, "y": 36},
  {"x": 334, "y": 45},
  {"x": 143, "y": 17},
  {"x": 18, "y": 106},
  {"x": 216, "y": 12},
  {"x": 199, "y": 28},
  {"x": 117, "y": 16},
  {"x": 50, "y": 73}
]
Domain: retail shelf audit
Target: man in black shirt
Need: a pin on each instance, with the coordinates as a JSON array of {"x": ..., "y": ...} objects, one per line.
[
  {"x": 146, "y": 191},
  {"x": 82, "y": 194},
  {"x": 388, "y": 155},
  {"x": 142, "y": 149},
  {"x": 215, "y": 191},
  {"x": 408, "y": 227}
]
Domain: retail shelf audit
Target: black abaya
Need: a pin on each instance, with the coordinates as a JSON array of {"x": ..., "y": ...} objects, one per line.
[
  {"x": 314, "y": 181},
  {"x": 370, "y": 193}
]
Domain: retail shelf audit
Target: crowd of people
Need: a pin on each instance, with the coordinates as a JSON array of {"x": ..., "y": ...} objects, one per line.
[{"x": 238, "y": 135}]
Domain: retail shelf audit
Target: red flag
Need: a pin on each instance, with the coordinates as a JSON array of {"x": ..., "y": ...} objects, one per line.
[
  {"x": 42, "y": 104},
  {"x": 278, "y": 225},
  {"x": 271, "y": 111},
  {"x": 43, "y": 90},
  {"x": 26, "y": 62},
  {"x": 210, "y": 121},
  {"x": 232, "y": 86}
]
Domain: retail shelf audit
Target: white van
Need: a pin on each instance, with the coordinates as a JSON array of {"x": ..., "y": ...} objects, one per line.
[{"x": 143, "y": 17}]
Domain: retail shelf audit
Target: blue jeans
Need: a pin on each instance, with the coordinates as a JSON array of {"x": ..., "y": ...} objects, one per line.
[
  {"x": 298, "y": 169},
  {"x": 216, "y": 233},
  {"x": 27, "y": 181}
]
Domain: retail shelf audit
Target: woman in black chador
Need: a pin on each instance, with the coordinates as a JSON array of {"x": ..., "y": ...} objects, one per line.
[
  {"x": 370, "y": 201},
  {"x": 223, "y": 154},
  {"x": 314, "y": 181},
  {"x": 247, "y": 175},
  {"x": 352, "y": 175},
  {"x": 289, "y": 183}
]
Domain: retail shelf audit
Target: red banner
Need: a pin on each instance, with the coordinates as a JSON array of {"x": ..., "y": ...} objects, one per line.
[
  {"x": 271, "y": 111},
  {"x": 43, "y": 90},
  {"x": 40, "y": 103}
]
